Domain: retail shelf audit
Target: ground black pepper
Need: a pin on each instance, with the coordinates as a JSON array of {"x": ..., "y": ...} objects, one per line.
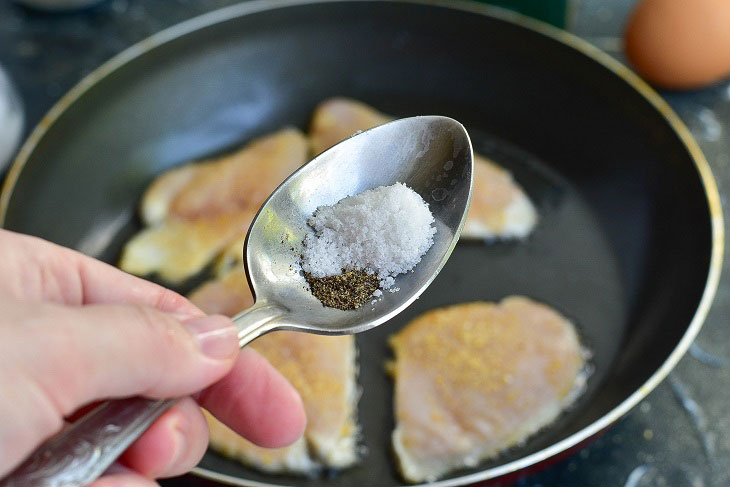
[{"x": 345, "y": 291}]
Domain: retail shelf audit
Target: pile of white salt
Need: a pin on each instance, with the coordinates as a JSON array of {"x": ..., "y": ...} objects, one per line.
[{"x": 383, "y": 231}]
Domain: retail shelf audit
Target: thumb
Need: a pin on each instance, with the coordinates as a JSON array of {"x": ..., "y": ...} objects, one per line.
[{"x": 103, "y": 351}]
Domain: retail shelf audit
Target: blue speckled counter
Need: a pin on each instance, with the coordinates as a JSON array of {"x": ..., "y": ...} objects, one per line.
[{"x": 677, "y": 437}]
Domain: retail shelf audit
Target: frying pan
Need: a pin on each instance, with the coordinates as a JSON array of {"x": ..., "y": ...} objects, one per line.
[{"x": 629, "y": 242}]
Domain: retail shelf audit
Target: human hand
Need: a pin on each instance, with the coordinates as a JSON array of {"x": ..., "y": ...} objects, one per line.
[{"x": 74, "y": 331}]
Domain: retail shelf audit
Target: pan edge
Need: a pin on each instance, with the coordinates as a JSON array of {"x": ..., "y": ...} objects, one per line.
[{"x": 564, "y": 37}]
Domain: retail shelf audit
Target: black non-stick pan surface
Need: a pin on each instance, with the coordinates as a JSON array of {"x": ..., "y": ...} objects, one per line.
[{"x": 630, "y": 234}]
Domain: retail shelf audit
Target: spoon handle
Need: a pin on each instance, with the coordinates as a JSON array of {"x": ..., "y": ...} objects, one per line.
[{"x": 82, "y": 452}]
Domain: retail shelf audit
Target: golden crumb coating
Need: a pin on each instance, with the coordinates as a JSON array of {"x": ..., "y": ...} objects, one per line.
[{"x": 474, "y": 379}]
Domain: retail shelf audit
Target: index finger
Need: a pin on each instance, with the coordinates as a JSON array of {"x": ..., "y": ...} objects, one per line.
[
  {"x": 39, "y": 270},
  {"x": 103, "y": 283}
]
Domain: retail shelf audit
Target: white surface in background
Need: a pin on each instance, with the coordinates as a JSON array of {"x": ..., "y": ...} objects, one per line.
[{"x": 11, "y": 119}]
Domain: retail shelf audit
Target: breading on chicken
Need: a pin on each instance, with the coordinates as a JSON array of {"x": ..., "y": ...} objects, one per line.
[
  {"x": 195, "y": 210},
  {"x": 500, "y": 209},
  {"x": 474, "y": 379},
  {"x": 321, "y": 368}
]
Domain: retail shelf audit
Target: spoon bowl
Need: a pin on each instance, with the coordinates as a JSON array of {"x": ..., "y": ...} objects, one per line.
[{"x": 432, "y": 155}]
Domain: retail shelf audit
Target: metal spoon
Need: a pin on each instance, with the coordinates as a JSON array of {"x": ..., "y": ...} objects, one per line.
[{"x": 432, "y": 155}]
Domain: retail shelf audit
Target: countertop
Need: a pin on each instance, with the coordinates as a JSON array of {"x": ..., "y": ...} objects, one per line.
[{"x": 676, "y": 437}]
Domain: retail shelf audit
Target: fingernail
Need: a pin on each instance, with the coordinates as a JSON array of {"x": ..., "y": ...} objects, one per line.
[
  {"x": 184, "y": 316},
  {"x": 216, "y": 335},
  {"x": 116, "y": 467},
  {"x": 178, "y": 434}
]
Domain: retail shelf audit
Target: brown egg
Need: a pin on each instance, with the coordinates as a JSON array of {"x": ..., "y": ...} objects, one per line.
[{"x": 680, "y": 44}]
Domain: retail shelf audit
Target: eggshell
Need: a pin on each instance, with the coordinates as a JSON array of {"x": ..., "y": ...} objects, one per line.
[{"x": 680, "y": 44}]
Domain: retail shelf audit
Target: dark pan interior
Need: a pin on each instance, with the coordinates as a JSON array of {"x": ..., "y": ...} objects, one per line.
[{"x": 623, "y": 246}]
